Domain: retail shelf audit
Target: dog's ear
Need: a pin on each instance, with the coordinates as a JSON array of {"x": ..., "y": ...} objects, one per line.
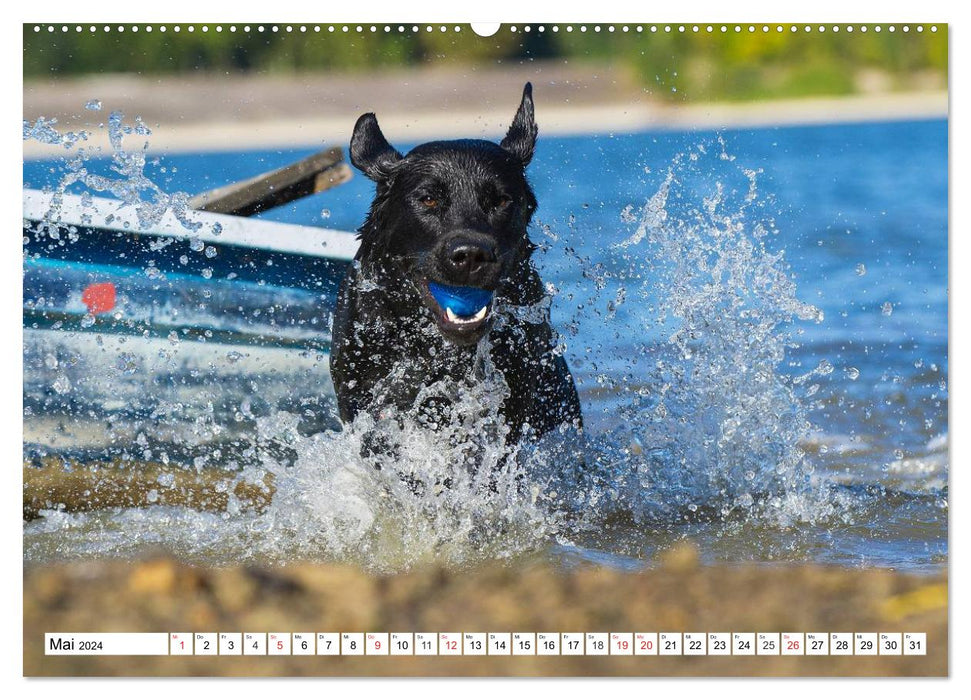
[
  {"x": 521, "y": 138},
  {"x": 370, "y": 151}
]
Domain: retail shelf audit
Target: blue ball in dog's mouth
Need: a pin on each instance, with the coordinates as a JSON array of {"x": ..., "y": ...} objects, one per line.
[{"x": 461, "y": 303}]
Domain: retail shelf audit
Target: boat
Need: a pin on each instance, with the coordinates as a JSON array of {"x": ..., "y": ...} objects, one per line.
[
  {"x": 167, "y": 316},
  {"x": 91, "y": 266}
]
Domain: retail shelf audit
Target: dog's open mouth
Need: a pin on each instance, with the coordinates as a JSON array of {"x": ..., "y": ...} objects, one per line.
[{"x": 459, "y": 309}]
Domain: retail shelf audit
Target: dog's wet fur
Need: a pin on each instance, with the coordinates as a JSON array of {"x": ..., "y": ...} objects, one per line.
[{"x": 451, "y": 213}]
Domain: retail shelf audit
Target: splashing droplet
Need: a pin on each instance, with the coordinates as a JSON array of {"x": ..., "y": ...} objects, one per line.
[{"x": 61, "y": 385}]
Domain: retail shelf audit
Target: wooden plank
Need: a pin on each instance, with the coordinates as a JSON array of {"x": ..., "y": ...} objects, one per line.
[{"x": 313, "y": 174}]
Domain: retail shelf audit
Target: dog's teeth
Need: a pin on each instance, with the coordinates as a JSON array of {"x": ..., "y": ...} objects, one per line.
[{"x": 453, "y": 318}]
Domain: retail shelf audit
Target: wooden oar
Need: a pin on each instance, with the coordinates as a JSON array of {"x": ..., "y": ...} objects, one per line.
[{"x": 313, "y": 174}]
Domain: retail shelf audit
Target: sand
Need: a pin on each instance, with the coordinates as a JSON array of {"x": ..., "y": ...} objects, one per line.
[
  {"x": 263, "y": 112},
  {"x": 677, "y": 595}
]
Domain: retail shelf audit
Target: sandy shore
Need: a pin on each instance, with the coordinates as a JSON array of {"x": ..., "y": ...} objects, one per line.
[
  {"x": 241, "y": 112},
  {"x": 162, "y": 595}
]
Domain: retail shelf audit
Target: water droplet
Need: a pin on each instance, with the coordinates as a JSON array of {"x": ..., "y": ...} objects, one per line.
[
  {"x": 62, "y": 384},
  {"x": 887, "y": 308},
  {"x": 860, "y": 269},
  {"x": 207, "y": 273},
  {"x": 173, "y": 337},
  {"x": 210, "y": 251},
  {"x": 166, "y": 480},
  {"x": 196, "y": 244},
  {"x": 87, "y": 321},
  {"x": 151, "y": 496},
  {"x": 325, "y": 213},
  {"x": 234, "y": 356},
  {"x": 853, "y": 373},
  {"x": 127, "y": 363},
  {"x": 93, "y": 105}
]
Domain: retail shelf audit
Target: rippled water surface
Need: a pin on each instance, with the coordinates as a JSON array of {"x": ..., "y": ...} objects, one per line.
[{"x": 756, "y": 320}]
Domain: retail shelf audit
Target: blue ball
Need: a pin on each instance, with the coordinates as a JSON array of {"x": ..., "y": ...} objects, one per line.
[{"x": 463, "y": 301}]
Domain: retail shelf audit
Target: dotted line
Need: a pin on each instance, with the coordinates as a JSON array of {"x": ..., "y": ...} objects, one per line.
[{"x": 417, "y": 29}]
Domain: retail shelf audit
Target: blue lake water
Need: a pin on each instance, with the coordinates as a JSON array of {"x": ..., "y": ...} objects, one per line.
[{"x": 770, "y": 299}]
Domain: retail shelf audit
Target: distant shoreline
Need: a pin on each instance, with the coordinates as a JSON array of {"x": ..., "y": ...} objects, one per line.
[{"x": 213, "y": 132}]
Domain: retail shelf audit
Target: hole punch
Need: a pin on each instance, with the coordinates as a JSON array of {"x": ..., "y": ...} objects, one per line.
[{"x": 485, "y": 29}]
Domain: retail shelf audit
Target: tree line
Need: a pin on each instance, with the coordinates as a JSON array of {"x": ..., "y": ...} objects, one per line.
[{"x": 675, "y": 65}]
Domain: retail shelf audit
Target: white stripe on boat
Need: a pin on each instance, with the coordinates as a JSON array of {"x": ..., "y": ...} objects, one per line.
[{"x": 115, "y": 215}]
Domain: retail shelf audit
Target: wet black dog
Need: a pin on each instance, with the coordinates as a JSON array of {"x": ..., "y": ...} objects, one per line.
[{"x": 443, "y": 267}]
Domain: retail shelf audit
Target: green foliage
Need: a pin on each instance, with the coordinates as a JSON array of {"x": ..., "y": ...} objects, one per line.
[{"x": 672, "y": 65}]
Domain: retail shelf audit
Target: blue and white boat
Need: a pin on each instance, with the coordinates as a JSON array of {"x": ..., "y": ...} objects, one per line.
[{"x": 186, "y": 314}]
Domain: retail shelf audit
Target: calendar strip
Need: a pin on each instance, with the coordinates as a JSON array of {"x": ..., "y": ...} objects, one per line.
[{"x": 487, "y": 644}]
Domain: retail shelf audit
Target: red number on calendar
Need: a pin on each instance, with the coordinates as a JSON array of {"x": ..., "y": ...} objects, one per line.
[
  {"x": 451, "y": 646},
  {"x": 792, "y": 645},
  {"x": 647, "y": 644},
  {"x": 623, "y": 644}
]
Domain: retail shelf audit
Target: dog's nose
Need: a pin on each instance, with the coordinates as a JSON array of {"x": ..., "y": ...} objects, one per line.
[{"x": 465, "y": 259}]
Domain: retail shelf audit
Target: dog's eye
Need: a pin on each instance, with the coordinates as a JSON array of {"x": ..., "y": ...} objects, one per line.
[
  {"x": 503, "y": 201},
  {"x": 429, "y": 201}
]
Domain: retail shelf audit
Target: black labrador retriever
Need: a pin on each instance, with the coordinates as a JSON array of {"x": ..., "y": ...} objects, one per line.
[{"x": 443, "y": 268}]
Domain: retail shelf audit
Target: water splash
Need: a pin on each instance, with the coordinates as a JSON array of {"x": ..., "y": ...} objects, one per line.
[
  {"x": 711, "y": 426},
  {"x": 709, "y": 415},
  {"x": 128, "y": 181},
  {"x": 703, "y": 421}
]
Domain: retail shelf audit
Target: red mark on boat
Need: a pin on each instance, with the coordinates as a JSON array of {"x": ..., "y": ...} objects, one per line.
[{"x": 99, "y": 298}]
